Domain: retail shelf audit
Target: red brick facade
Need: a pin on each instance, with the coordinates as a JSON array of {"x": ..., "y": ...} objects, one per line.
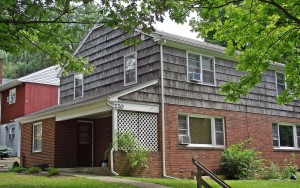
[
  {"x": 238, "y": 127},
  {"x": 59, "y": 142}
]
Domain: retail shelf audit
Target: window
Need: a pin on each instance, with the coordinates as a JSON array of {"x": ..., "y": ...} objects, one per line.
[
  {"x": 286, "y": 136},
  {"x": 11, "y": 99},
  {"x": 37, "y": 137},
  {"x": 130, "y": 69},
  {"x": 201, "y": 130},
  {"x": 201, "y": 69},
  {"x": 12, "y": 133},
  {"x": 280, "y": 83},
  {"x": 78, "y": 85}
]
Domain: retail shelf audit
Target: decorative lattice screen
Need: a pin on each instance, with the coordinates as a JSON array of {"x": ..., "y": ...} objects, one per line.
[{"x": 142, "y": 125}]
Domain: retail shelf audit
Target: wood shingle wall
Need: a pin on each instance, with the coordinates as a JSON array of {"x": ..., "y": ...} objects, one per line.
[{"x": 105, "y": 49}]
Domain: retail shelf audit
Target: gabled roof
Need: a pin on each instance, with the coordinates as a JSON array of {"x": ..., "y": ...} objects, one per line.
[
  {"x": 46, "y": 76},
  {"x": 50, "y": 112}
]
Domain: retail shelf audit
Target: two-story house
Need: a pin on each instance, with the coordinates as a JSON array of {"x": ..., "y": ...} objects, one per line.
[
  {"x": 23, "y": 96},
  {"x": 166, "y": 91}
]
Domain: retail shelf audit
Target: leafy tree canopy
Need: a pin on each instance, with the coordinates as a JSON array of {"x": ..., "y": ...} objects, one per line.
[
  {"x": 54, "y": 27},
  {"x": 256, "y": 32}
]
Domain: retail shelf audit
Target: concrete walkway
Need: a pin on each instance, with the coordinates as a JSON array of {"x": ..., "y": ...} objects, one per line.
[{"x": 114, "y": 179}]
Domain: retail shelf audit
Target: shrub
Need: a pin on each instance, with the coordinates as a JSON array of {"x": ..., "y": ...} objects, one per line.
[
  {"x": 290, "y": 167},
  {"x": 15, "y": 164},
  {"x": 5, "y": 152},
  {"x": 239, "y": 162},
  {"x": 139, "y": 157},
  {"x": 270, "y": 172},
  {"x": 53, "y": 171},
  {"x": 33, "y": 170},
  {"x": 17, "y": 169}
]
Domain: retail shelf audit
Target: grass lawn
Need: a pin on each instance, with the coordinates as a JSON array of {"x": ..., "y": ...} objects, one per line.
[
  {"x": 19, "y": 180},
  {"x": 232, "y": 183}
]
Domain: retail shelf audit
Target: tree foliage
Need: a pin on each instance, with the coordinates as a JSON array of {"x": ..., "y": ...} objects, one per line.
[
  {"x": 54, "y": 27},
  {"x": 256, "y": 32}
]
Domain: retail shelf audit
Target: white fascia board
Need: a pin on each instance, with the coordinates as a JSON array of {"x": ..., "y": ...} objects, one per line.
[
  {"x": 83, "y": 111},
  {"x": 115, "y": 97},
  {"x": 136, "y": 107},
  {"x": 33, "y": 118}
]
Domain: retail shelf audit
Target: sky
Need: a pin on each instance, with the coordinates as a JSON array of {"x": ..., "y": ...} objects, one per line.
[{"x": 178, "y": 29}]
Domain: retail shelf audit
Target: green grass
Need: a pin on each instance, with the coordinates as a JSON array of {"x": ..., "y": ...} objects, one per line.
[
  {"x": 233, "y": 183},
  {"x": 19, "y": 180}
]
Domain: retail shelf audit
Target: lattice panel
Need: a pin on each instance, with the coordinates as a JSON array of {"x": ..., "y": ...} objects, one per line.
[{"x": 142, "y": 125}]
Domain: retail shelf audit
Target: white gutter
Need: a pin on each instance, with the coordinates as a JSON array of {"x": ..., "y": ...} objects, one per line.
[{"x": 163, "y": 110}]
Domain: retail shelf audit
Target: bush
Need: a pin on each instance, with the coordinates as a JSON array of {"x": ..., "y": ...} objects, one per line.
[
  {"x": 33, "y": 170},
  {"x": 5, "y": 152},
  {"x": 238, "y": 162},
  {"x": 15, "y": 164},
  {"x": 53, "y": 171},
  {"x": 290, "y": 167},
  {"x": 139, "y": 157},
  {"x": 17, "y": 169},
  {"x": 270, "y": 172}
]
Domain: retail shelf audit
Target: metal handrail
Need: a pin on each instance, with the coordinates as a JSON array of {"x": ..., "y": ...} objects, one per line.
[{"x": 201, "y": 182}]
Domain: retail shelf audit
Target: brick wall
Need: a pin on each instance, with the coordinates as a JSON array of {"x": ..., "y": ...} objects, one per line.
[
  {"x": 122, "y": 166},
  {"x": 238, "y": 125},
  {"x": 66, "y": 144},
  {"x": 102, "y": 138},
  {"x": 46, "y": 156}
]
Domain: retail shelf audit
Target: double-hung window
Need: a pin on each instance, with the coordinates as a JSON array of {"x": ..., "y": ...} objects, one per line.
[
  {"x": 11, "y": 99},
  {"x": 12, "y": 132},
  {"x": 78, "y": 85},
  {"x": 37, "y": 137},
  {"x": 280, "y": 82},
  {"x": 201, "y": 69},
  {"x": 286, "y": 136},
  {"x": 201, "y": 130},
  {"x": 130, "y": 69}
]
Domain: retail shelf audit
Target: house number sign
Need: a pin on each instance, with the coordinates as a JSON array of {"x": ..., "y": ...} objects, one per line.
[{"x": 119, "y": 106}]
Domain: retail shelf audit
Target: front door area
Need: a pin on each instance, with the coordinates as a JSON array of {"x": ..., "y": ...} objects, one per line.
[{"x": 84, "y": 144}]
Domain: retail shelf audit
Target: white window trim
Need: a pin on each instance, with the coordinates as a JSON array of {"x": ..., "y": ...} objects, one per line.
[
  {"x": 10, "y": 132},
  {"x": 37, "y": 124},
  {"x": 201, "y": 74},
  {"x": 14, "y": 90},
  {"x": 296, "y": 144},
  {"x": 75, "y": 87},
  {"x": 130, "y": 83},
  {"x": 213, "y": 133},
  {"x": 285, "y": 85}
]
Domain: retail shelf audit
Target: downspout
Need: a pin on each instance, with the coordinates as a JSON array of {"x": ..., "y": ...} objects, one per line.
[
  {"x": 114, "y": 123},
  {"x": 163, "y": 111}
]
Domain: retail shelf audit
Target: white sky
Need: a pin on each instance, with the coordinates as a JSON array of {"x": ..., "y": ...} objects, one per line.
[{"x": 178, "y": 29}]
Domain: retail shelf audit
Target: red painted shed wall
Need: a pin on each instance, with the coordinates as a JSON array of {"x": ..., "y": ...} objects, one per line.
[
  {"x": 12, "y": 111},
  {"x": 39, "y": 96}
]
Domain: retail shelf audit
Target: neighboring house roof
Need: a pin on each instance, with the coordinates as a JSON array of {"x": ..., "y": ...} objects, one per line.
[
  {"x": 86, "y": 101},
  {"x": 45, "y": 76}
]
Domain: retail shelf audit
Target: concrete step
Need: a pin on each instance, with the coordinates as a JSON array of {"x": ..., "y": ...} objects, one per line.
[{"x": 88, "y": 170}]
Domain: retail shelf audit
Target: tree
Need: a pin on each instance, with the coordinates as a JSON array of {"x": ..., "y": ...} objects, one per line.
[
  {"x": 256, "y": 32},
  {"x": 54, "y": 27}
]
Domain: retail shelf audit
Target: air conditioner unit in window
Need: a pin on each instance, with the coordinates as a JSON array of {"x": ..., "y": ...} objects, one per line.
[
  {"x": 184, "y": 139},
  {"x": 194, "y": 76},
  {"x": 11, "y": 136}
]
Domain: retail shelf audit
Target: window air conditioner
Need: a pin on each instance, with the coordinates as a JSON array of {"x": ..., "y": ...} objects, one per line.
[
  {"x": 194, "y": 76},
  {"x": 11, "y": 136},
  {"x": 184, "y": 139}
]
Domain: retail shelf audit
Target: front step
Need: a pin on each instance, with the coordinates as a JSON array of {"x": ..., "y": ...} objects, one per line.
[{"x": 88, "y": 170}]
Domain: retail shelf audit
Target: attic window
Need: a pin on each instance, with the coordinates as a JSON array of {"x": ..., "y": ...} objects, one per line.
[
  {"x": 78, "y": 85},
  {"x": 130, "y": 69},
  {"x": 11, "y": 99}
]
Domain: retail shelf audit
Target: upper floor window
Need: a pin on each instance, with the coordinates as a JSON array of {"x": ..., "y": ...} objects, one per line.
[
  {"x": 12, "y": 133},
  {"x": 286, "y": 136},
  {"x": 201, "y": 69},
  {"x": 78, "y": 85},
  {"x": 200, "y": 130},
  {"x": 130, "y": 69},
  {"x": 37, "y": 137},
  {"x": 11, "y": 99},
  {"x": 280, "y": 82}
]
